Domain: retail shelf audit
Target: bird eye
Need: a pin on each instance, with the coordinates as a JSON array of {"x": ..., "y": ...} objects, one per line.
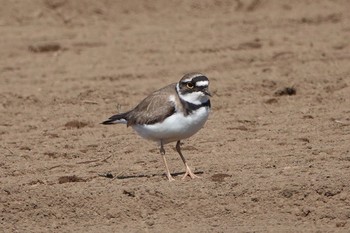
[{"x": 190, "y": 85}]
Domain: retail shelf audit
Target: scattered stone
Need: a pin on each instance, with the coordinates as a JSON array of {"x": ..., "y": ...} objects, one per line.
[
  {"x": 107, "y": 175},
  {"x": 250, "y": 45},
  {"x": 45, "y": 47},
  {"x": 287, "y": 193},
  {"x": 67, "y": 179},
  {"x": 220, "y": 177},
  {"x": 286, "y": 91},
  {"x": 150, "y": 222},
  {"x": 241, "y": 127},
  {"x": 305, "y": 212},
  {"x": 271, "y": 101},
  {"x": 35, "y": 182},
  {"x": 129, "y": 193},
  {"x": 308, "y": 117},
  {"x": 328, "y": 191},
  {"x": 75, "y": 124},
  {"x": 304, "y": 140},
  {"x": 340, "y": 224},
  {"x": 25, "y": 148}
]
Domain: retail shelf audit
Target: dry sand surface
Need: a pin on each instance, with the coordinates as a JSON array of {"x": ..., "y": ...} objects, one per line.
[{"x": 271, "y": 159}]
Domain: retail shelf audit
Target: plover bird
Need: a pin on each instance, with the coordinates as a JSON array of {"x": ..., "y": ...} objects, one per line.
[{"x": 171, "y": 114}]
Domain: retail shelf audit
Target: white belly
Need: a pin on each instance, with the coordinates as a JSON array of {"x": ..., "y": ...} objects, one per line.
[{"x": 174, "y": 128}]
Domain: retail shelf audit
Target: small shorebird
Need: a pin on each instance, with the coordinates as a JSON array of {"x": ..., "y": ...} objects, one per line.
[{"x": 173, "y": 113}]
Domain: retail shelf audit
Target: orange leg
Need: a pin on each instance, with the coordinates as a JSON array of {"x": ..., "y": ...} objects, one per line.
[
  {"x": 188, "y": 170},
  {"x": 162, "y": 152}
]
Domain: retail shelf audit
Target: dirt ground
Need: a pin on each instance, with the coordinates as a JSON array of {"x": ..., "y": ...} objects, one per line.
[{"x": 271, "y": 159}]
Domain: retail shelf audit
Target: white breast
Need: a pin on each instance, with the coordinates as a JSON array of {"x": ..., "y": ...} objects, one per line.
[{"x": 174, "y": 128}]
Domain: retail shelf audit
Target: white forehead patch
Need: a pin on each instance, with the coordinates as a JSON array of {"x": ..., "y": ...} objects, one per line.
[
  {"x": 187, "y": 80},
  {"x": 192, "y": 77},
  {"x": 202, "y": 83}
]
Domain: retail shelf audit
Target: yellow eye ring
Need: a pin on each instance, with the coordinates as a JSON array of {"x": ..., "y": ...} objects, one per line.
[{"x": 190, "y": 85}]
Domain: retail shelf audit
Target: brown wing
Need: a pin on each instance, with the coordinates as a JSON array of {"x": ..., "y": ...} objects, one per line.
[{"x": 153, "y": 109}]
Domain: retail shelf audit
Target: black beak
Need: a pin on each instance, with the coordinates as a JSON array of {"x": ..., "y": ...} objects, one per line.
[{"x": 206, "y": 92}]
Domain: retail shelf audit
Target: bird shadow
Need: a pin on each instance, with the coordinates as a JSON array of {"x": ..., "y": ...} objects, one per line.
[{"x": 123, "y": 177}]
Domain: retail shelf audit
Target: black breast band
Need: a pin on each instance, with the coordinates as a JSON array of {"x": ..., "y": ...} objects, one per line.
[{"x": 190, "y": 107}]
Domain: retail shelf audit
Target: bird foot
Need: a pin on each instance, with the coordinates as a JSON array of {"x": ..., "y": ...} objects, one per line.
[
  {"x": 190, "y": 174},
  {"x": 170, "y": 178}
]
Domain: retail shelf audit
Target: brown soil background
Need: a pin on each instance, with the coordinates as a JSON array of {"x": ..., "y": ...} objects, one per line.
[{"x": 268, "y": 163}]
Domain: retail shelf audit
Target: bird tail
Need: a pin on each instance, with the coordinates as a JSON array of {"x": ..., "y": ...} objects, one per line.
[{"x": 116, "y": 119}]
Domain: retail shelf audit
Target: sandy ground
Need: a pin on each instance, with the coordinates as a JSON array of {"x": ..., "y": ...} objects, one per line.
[{"x": 270, "y": 160}]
